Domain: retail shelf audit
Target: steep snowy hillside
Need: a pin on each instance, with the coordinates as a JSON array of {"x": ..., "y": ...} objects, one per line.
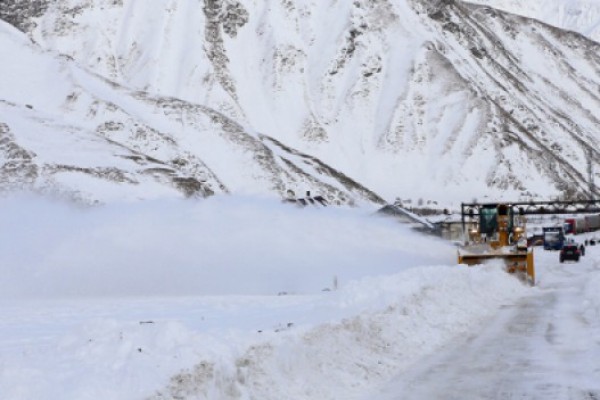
[
  {"x": 581, "y": 16},
  {"x": 428, "y": 99},
  {"x": 65, "y": 130}
]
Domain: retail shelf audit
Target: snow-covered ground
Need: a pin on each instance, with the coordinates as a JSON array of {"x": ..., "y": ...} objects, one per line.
[
  {"x": 233, "y": 298},
  {"x": 543, "y": 346}
]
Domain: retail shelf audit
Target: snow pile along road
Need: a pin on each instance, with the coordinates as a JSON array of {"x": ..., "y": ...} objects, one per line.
[
  {"x": 545, "y": 345},
  {"x": 388, "y": 324}
]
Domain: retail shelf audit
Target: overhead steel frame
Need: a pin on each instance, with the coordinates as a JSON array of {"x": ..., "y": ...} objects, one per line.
[{"x": 472, "y": 210}]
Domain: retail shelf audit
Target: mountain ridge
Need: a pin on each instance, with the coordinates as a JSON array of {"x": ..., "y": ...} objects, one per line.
[{"x": 440, "y": 100}]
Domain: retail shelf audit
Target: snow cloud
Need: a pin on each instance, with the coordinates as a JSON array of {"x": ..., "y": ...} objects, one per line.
[{"x": 220, "y": 246}]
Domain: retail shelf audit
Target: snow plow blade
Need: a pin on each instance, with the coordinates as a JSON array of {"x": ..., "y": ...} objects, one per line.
[{"x": 518, "y": 262}]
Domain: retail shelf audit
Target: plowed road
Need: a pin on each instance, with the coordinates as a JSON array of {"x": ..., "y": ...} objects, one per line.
[{"x": 545, "y": 346}]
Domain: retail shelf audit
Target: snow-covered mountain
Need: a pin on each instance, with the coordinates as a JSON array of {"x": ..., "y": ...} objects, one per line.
[
  {"x": 581, "y": 16},
  {"x": 358, "y": 101},
  {"x": 64, "y": 129}
]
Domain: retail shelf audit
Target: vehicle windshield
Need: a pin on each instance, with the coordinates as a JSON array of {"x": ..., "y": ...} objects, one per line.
[{"x": 487, "y": 221}]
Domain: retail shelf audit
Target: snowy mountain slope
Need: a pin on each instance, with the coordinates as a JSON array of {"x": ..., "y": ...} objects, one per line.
[
  {"x": 393, "y": 93},
  {"x": 64, "y": 129},
  {"x": 536, "y": 120},
  {"x": 581, "y": 16}
]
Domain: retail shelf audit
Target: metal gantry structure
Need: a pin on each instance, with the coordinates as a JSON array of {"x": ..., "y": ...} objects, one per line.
[{"x": 472, "y": 210}]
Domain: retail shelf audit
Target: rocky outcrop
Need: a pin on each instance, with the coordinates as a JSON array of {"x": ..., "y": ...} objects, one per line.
[
  {"x": 227, "y": 17},
  {"x": 20, "y": 13}
]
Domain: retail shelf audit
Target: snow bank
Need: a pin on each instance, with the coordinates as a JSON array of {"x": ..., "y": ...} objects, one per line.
[
  {"x": 397, "y": 320},
  {"x": 327, "y": 346}
]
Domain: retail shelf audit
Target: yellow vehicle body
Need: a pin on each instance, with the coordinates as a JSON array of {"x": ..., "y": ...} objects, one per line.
[{"x": 499, "y": 237}]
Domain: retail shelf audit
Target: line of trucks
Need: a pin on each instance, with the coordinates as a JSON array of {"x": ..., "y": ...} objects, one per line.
[{"x": 554, "y": 236}]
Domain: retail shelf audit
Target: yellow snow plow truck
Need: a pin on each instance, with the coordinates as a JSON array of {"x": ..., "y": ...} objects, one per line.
[{"x": 494, "y": 232}]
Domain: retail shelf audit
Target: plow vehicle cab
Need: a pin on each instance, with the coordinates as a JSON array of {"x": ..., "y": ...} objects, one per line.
[{"x": 498, "y": 234}]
